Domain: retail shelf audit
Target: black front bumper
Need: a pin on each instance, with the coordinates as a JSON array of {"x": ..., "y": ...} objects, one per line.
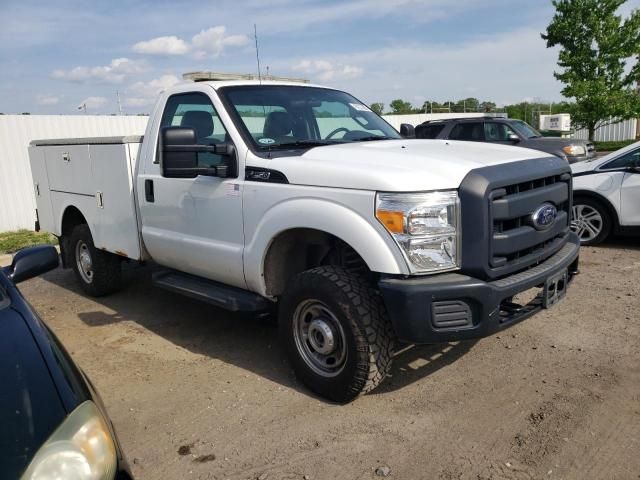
[{"x": 411, "y": 302}]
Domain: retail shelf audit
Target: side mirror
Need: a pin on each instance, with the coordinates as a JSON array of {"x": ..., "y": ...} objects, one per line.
[
  {"x": 31, "y": 262},
  {"x": 179, "y": 150},
  {"x": 512, "y": 137},
  {"x": 634, "y": 169},
  {"x": 407, "y": 131}
]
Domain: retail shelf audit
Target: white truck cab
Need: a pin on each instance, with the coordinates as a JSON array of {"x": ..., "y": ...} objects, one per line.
[{"x": 253, "y": 194}]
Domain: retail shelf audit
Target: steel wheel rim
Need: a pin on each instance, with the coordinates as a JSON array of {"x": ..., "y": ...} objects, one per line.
[
  {"x": 586, "y": 222},
  {"x": 319, "y": 338},
  {"x": 84, "y": 261}
]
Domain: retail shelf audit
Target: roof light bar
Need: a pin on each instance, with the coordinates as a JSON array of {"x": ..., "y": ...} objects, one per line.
[{"x": 224, "y": 77}]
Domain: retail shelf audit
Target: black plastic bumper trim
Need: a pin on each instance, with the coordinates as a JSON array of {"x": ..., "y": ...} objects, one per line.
[{"x": 409, "y": 300}]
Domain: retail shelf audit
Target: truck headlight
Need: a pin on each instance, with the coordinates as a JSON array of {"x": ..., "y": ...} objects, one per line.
[
  {"x": 425, "y": 227},
  {"x": 80, "y": 448},
  {"x": 574, "y": 150}
]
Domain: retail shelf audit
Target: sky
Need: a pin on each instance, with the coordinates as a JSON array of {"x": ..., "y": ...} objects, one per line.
[{"x": 56, "y": 55}]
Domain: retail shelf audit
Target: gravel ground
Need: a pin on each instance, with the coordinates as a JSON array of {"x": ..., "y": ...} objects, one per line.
[{"x": 196, "y": 392}]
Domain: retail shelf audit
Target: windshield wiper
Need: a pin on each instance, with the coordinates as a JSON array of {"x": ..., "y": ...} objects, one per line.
[
  {"x": 302, "y": 143},
  {"x": 370, "y": 138}
]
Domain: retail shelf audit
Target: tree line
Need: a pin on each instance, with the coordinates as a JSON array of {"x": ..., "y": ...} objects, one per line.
[{"x": 528, "y": 111}]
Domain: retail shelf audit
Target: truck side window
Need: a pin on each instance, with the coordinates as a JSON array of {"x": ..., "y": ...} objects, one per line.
[
  {"x": 470, "y": 131},
  {"x": 497, "y": 132},
  {"x": 194, "y": 110}
]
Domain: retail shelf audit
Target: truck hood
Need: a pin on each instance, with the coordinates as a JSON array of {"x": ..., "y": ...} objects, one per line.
[{"x": 395, "y": 165}]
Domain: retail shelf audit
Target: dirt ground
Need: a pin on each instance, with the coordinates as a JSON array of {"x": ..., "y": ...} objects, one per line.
[{"x": 198, "y": 393}]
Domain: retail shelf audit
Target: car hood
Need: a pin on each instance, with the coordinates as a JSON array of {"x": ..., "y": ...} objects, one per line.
[
  {"x": 395, "y": 165},
  {"x": 594, "y": 163}
]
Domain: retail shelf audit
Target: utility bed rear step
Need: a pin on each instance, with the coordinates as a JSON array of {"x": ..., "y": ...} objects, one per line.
[{"x": 223, "y": 296}]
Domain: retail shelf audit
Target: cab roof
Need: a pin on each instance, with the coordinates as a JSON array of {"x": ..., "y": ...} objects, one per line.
[{"x": 221, "y": 79}]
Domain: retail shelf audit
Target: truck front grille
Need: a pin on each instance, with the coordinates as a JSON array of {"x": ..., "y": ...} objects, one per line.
[
  {"x": 515, "y": 241},
  {"x": 499, "y": 236}
]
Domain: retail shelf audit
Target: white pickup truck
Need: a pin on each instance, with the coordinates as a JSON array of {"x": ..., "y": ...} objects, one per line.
[{"x": 250, "y": 194}]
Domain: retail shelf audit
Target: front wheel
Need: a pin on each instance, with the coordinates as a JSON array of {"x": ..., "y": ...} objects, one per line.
[
  {"x": 98, "y": 272},
  {"x": 590, "y": 221},
  {"x": 336, "y": 333}
]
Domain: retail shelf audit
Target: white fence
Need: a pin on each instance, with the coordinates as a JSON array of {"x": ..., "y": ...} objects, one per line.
[
  {"x": 612, "y": 132},
  {"x": 17, "y": 201}
]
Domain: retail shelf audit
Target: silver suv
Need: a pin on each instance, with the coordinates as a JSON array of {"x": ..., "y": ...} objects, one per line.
[{"x": 508, "y": 132}]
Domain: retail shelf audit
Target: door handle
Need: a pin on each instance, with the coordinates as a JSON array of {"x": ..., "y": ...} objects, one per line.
[{"x": 148, "y": 191}]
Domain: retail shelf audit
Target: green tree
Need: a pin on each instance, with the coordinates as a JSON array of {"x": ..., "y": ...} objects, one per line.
[
  {"x": 487, "y": 106},
  {"x": 377, "y": 107},
  {"x": 399, "y": 106},
  {"x": 596, "y": 49}
]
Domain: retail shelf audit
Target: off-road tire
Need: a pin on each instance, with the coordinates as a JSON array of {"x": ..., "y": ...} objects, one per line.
[
  {"x": 361, "y": 313},
  {"x": 107, "y": 268}
]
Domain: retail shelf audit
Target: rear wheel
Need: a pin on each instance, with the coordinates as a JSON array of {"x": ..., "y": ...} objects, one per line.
[
  {"x": 336, "y": 333},
  {"x": 99, "y": 273},
  {"x": 590, "y": 220}
]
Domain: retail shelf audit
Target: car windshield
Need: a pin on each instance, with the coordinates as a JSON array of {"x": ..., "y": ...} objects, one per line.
[
  {"x": 283, "y": 117},
  {"x": 525, "y": 129}
]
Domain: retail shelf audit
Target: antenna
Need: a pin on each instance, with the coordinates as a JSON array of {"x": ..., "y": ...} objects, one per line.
[
  {"x": 255, "y": 36},
  {"x": 119, "y": 104}
]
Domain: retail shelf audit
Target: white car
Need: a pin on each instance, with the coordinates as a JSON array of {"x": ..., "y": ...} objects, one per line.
[{"x": 606, "y": 195}]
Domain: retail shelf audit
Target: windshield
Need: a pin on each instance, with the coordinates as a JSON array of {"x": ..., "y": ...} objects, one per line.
[
  {"x": 525, "y": 129},
  {"x": 280, "y": 116}
]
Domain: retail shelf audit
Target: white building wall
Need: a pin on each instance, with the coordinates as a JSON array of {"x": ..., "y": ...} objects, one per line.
[
  {"x": 17, "y": 200},
  {"x": 614, "y": 132}
]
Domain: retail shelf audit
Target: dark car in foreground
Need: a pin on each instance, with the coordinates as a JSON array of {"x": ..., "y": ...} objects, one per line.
[
  {"x": 53, "y": 423},
  {"x": 508, "y": 132}
]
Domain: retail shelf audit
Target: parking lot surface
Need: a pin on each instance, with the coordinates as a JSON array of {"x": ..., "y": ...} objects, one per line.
[{"x": 196, "y": 392}]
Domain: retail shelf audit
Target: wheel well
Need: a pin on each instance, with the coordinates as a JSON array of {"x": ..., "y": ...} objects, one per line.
[
  {"x": 300, "y": 249},
  {"x": 604, "y": 201},
  {"x": 71, "y": 218}
]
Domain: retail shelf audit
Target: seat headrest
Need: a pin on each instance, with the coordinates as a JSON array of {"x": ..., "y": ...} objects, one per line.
[
  {"x": 201, "y": 122},
  {"x": 277, "y": 124}
]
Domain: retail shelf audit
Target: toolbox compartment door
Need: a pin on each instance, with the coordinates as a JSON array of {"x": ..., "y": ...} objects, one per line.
[
  {"x": 69, "y": 168},
  {"x": 116, "y": 226}
]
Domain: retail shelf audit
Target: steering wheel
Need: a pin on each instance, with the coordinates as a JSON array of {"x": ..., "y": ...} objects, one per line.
[{"x": 336, "y": 131}]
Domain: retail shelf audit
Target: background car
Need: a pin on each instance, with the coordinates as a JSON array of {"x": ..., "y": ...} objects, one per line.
[
  {"x": 506, "y": 131},
  {"x": 606, "y": 195},
  {"x": 53, "y": 422}
]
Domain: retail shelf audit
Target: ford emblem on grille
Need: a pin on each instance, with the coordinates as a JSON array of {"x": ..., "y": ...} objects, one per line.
[{"x": 544, "y": 216}]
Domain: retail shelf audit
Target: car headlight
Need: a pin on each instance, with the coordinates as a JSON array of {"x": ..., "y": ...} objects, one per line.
[
  {"x": 574, "y": 150},
  {"x": 80, "y": 448},
  {"x": 425, "y": 227}
]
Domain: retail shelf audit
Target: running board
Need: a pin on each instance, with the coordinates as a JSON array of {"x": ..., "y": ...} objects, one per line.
[{"x": 223, "y": 296}]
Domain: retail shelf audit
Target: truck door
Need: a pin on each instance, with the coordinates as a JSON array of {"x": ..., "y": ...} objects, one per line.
[{"x": 193, "y": 224}]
